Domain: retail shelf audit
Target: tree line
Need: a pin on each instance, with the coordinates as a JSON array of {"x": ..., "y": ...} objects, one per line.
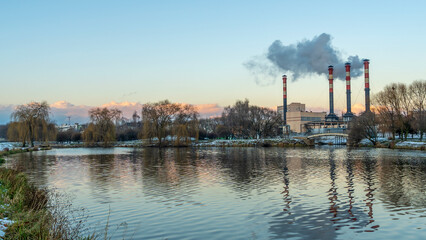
[
  {"x": 243, "y": 121},
  {"x": 160, "y": 124},
  {"x": 399, "y": 110}
]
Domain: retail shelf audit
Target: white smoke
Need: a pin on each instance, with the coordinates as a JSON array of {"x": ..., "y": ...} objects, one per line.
[{"x": 304, "y": 58}]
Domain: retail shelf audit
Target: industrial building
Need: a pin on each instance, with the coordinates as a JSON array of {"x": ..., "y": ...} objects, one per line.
[
  {"x": 297, "y": 116},
  {"x": 296, "y": 119}
]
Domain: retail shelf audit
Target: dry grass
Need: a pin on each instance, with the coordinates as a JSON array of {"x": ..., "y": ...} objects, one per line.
[{"x": 38, "y": 213}]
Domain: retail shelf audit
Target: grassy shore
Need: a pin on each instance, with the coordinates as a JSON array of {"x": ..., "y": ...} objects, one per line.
[{"x": 35, "y": 213}]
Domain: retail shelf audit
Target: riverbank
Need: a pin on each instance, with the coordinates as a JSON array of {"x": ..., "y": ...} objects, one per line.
[
  {"x": 397, "y": 144},
  {"x": 277, "y": 142},
  {"x": 252, "y": 143},
  {"x": 27, "y": 212}
]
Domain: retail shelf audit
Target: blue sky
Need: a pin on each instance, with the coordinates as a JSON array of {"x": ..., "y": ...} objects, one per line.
[{"x": 94, "y": 52}]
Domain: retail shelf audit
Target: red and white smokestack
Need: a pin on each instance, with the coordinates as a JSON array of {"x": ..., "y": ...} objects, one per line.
[
  {"x": 330, "y": 82},
  {"x": 285, "y": 99},
  {"x": 348, "y": 87},
  {"x": 331, "y": 116},
  {"x": 367, "y": 84}
]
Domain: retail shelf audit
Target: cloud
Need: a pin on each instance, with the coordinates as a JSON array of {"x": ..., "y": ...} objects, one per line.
[
  {"x": 61, "y": 105},
  {"x": 128, "y": 108},
  {"x": 5, "y": 111},
  {"x": 209, "y": 110},
  {"x": 61, "y": 110},
  {"x": 357, "y": 108}
]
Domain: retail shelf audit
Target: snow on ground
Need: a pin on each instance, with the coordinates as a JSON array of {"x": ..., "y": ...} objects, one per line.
[
  {"x": 243, "y": 142},
  {"x": 4, "y": 223},
  {"x": 411, "y": 144},
  {"x": 9, "y": 145}
]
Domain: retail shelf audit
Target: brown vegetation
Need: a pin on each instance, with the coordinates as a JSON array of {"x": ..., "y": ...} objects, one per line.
[
  {"x": 102, "y": 127},
  {"x": 401, "y": 109},
  {"x": 164, "y": 119},
  {"x": 37, "y": 213},
  {"x": 31, "y": 123},
  {"x": 244, "y": 121}
]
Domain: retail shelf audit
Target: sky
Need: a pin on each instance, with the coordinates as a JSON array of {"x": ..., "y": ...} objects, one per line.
[{"x": 81, "y": 54}]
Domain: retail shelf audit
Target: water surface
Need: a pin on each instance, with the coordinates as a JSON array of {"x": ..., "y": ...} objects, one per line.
[{"x": 241, "y": 193}]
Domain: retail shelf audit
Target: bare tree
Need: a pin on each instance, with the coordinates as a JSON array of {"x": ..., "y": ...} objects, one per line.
[
  {"x": 417, "y": 91},
  {"x": 165, "y": 118},
  {"x": 237, "y": 119},
  {"x": 264, "y": 122},
  {"x": 402, "y": 109},
  {"x": 245, "y": 121},
  {"x": 30, "y": 117},
  {"x": 102, "y": 127},
  {"x": 363, "y": 127},
  {"x": 207, "y": 127},
  {"x": 406, "y": 111},
  {"x": 389, "y": 108},
  {"x": 185, "y": 124}
]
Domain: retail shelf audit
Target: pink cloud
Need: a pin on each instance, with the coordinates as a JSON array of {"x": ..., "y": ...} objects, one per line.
[
  {"x": 357, "y": 108},
  {"x": 128, "y": 108},
  {"x": 61, "y": 110},
  {"x": 209, "y": 110}
]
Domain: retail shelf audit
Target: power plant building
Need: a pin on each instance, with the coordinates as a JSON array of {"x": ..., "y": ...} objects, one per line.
[
  {"x": 297, "y": 119},
  {"x": 297, "y": 116}
]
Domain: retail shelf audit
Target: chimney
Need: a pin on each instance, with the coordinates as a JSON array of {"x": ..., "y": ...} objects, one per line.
[
  {"x": 348, "y": 115},
  {"x": 367, "y": 84},
  {"x": 285, "y": 99},
  {"x": 331, "y": 116}
]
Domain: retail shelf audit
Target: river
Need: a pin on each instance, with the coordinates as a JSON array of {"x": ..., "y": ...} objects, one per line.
[{"x": 240, "y": 193}]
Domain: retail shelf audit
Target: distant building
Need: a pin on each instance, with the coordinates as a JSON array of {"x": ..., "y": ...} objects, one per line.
[
  {"x": 297, "y": 116},
  {"x": 65, "y": 127}
]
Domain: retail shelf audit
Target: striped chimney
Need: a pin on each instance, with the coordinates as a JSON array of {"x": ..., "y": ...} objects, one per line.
[
  {"x": 367, "y": 84},
  {"x": 348, "y": 87},
  {"x": 330, "y": 81},
  {"x": 285, "y": 99}
]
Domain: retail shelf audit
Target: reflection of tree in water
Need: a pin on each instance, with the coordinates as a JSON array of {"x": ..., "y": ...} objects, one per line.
[
  {"x": 36, "y": 165},
  {"x": 250, "y": 169},
  {"x": 101, "y": 175},
  {"x": 402, "y": 182},
  {"x": 170, "y": 174}
]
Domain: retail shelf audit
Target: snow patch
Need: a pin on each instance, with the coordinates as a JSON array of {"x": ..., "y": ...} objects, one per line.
[
  {"x": 411, "y": 144},
  {"x": 4, "y": 224}
]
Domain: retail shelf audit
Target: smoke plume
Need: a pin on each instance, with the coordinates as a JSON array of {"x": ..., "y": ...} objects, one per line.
[{"x": 304, "y": 58}]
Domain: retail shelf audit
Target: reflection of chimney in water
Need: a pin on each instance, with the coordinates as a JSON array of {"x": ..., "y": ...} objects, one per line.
[
  {"x": 350, "y": 178},
  {"x": 286, "y": 191},
  {"x": 332, "y": 193},
  {"x": 369, "y": 168}
]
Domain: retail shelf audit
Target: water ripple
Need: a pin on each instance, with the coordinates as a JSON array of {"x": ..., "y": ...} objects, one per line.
[{"x": 241, "y": 193}]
